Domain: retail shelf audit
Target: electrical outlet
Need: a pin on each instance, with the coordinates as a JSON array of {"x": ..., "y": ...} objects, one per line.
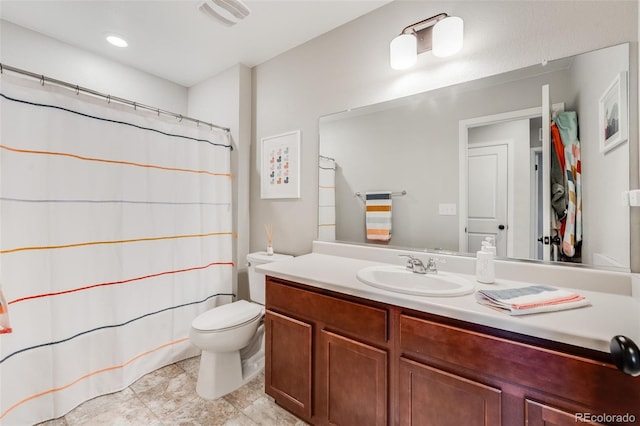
[
  {"x": 634, "y": 197},
  {"x": 447, "y": 209}
]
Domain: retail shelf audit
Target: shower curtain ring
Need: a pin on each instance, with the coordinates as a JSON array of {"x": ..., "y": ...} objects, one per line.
[
  {"x": 77, "y": 90},
  {"x": 135, "y": 106},
  {"x": 180, "y": 118},
  {"x": 1, "y": 69},
  {"x": 158, "y": 111},
  {"x": 42, "y": 80},
  {"x": 108, "y": 99}
]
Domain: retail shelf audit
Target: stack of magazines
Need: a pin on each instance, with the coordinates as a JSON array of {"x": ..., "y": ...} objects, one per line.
[{"x": 531, "y": 299}]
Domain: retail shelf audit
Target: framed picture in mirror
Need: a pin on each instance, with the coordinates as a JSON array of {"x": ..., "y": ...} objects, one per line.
[{"x": 613, "y": 114}]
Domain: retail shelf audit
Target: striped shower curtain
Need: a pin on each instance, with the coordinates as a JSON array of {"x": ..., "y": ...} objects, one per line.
[
  {"x": 115, "y": 232},
  {"x": 326, "y": 199}
]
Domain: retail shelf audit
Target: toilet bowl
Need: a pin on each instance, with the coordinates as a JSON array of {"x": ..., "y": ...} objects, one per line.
[{"x": 231, "y": 337}]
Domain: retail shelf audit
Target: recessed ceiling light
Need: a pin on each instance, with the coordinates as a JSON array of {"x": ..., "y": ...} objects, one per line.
[{"x": 117, "y": 41}]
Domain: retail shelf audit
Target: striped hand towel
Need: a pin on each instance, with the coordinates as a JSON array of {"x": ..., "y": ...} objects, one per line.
[
  {"x": 531, "y": 299},
  {"x": 378, "y": 215}
]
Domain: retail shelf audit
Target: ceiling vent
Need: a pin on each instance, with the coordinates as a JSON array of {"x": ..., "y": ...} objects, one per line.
[{"x": 228, "y": 12}]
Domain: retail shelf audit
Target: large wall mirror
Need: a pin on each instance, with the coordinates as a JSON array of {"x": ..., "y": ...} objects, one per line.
[{"x": 474, "y": 160}]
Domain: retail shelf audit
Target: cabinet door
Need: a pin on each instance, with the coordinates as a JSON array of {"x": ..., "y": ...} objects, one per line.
[
  {"x": 288, "y": 363},
  {"x": 432, "y": 397},
  {"x": 542, "y": 415},
  {"x": 355, "y": 376}
]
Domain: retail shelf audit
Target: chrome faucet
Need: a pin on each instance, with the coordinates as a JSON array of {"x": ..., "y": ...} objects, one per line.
[
  {"x": 431, "y": 266},
  {"x": 416, "y": 266}
]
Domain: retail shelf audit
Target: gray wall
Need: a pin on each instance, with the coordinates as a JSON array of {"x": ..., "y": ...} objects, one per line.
[
  {"x": 603, "y": 174},
  {"x": 348, "y": 67}
]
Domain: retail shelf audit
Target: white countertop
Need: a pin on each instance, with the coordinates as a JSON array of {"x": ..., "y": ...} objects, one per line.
[{"x": 589, "y": 327}]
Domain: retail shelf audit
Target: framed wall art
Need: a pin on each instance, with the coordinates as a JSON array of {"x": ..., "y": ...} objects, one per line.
[
  {"x": 613, "y": 114},
  {"x": 280, "y": 166}
]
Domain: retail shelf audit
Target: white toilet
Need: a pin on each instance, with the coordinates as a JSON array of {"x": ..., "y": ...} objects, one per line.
[{"x": 231, "y": 337}]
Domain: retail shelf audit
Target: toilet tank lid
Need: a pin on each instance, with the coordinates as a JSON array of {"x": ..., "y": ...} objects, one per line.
[
  {"x": 226, "y": 316},
  {"x": 263, "y": 257}
]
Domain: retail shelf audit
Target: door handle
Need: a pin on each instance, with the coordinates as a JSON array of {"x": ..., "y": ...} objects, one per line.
[{"x": 501, "y": 227}]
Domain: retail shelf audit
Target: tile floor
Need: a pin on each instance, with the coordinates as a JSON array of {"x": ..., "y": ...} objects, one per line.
[{"x": 167, "y": 397}]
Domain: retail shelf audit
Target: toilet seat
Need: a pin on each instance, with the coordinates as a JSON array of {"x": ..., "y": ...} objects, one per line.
[{"x": 229, "y": 316}]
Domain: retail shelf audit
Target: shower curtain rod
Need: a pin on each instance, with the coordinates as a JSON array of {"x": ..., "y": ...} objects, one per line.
[{"x": 109, "y": 98}]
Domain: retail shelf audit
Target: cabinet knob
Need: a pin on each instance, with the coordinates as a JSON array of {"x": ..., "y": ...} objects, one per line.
[{"x": 626, "y": 355}]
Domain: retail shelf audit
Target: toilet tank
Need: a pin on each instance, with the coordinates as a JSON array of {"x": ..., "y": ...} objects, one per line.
[{"x": 256, "y": 279}]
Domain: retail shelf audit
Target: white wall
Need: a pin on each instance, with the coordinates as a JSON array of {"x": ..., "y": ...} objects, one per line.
[
  {"x": 226, "y": 98},
  {"x": 348, "y": 67},
  {"x": 32, "y": 51},
  {"x": 601, "y": 172}
]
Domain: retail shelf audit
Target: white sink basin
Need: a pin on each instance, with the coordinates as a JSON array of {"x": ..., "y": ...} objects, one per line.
[{"x": 401, "y": 280}]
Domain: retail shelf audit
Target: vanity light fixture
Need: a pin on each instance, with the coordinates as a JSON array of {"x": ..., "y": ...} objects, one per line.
[{"x": 441, "y": 34}]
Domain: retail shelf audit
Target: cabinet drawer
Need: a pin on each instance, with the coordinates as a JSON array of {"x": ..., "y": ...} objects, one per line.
[
  {"x": 362, "y": 321},
  {"x": 595, "y": 384}
]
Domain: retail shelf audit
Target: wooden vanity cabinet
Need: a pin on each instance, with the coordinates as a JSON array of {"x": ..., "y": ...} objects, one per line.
[
  {"x": 538, "y": 382},
  {"x": 349, "y": 361},
  {"x": 333, "y": 353}
]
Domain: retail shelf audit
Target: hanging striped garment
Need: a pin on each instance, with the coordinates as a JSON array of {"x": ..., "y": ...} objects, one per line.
[{"x": 573, "y": 227}]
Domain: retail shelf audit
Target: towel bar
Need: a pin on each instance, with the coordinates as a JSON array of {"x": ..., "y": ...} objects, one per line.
[{"x": 393, "y": 194}]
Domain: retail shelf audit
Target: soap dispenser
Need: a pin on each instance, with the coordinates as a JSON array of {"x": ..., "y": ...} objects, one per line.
[{"x": 485, "y": 269}]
